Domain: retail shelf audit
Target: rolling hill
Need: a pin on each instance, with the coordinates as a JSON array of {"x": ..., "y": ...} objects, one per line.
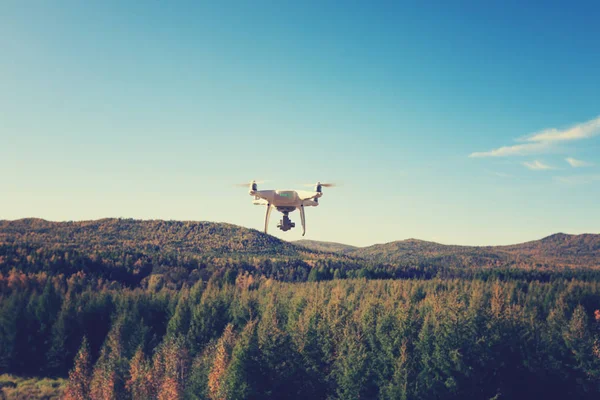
[
  {"x": 174, "y": 252},
  {"x": 331, "y": 247},
  {"x": 561, "y": 248},
  {"x": 175, "y": 242},
  {"x": 556, "y": 250},
  {"x": 147, "y": 236}
]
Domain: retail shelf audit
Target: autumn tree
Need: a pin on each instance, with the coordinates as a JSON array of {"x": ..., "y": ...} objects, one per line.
[
  {"x": 170, "y": 369},
  {"x": 216, "y": 379},
  {"x": 243, "y": 371},
  {"x": 139, "y": 384},
  {"x": 107, "y": 378},
  {"x": 78, "y": 387}
]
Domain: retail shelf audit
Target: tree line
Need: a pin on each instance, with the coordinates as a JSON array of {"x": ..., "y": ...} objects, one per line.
[{"x": 135, "y": 268}]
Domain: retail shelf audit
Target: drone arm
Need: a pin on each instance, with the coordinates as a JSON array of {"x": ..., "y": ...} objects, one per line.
[
  {"x": 310, "y": 195},
  {"x": 303, "y": 219},
  {"x": 269, "y": 208}
]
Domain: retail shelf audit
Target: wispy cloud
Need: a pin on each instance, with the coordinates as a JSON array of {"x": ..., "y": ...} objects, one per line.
[
  {"x": 580, "y": 131},
  {"x": 537, "y": 166},
  {"x": 516, "y": 150},
  {"x": 577, "y": 163},
  {"x": 577, "y": 179},
  {"x": 542, "y": 141}
]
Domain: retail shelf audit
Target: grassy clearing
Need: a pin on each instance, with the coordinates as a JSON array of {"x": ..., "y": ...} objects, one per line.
[{"x": 17, "y": 388}]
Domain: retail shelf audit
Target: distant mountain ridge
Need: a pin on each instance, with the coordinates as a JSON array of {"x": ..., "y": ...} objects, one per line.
[
  {"x": 558, "y": 249},
  {"x": 583, "y": 249},
  {"x": 227, "y": 240}
]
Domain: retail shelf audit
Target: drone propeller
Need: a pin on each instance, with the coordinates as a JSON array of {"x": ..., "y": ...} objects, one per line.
[
  {"x": 320, "y": 184},
  {"x": 249, "y": 183}
]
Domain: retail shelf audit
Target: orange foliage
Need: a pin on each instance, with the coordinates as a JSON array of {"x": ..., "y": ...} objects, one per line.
[
  {"x": 103, "y": 385},
  {"x": 169, "y": 370},
  {"x": 219, "y": 367},
  {"x": 140, "y": 380},
  {"x": 169, "y": 390},
  {"x": 78, "y": 386}
]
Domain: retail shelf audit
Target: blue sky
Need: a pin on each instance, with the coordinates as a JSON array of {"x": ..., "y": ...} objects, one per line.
[{"x": 458, "y": 122}]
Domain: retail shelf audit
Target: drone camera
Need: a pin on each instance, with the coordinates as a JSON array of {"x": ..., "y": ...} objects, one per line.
[{"x": 285, "y": 224}]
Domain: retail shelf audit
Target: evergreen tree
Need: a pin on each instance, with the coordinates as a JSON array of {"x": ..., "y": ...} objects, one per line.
[
  {"x": 217, "y": 388},
  {"x": 108, "y": 375},
  {"x": 243, "y": 370},
  {"x": 9, "y": 313},
  {"x": 140, "y": 382},
  {"x": 179, "y": 323},
  {"x": 63, "y": 332},
  {"x": 278, "y": 359},
  {"x": 170, "y": 369},
  {"x": 398, "y": 387},
  {"x": 78, "y": 387},
  {"x": 350, "y": 369}
]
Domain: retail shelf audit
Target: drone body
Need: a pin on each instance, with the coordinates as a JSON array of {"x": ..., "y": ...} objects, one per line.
[{"x": 287, "y": 201}]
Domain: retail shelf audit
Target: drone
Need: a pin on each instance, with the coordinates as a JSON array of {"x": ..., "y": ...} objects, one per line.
[{"x": 287, "y": 201}]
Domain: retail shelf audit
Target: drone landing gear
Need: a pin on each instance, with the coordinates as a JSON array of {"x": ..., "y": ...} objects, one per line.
[{"x": 285, "y": 224}]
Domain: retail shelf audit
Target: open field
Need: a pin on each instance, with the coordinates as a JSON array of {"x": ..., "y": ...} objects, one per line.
[{"x": 18, "y": 388}]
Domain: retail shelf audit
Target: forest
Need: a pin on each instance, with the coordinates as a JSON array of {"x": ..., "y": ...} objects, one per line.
[
  {"x": 346, "y": 338},
  {"x": 97, "y": 317}
]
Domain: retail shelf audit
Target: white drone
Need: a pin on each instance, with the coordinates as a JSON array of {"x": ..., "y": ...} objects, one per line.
[{"x": 286, "y": 201}]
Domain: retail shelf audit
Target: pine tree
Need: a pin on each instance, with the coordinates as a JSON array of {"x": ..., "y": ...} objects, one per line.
[
  {"x": 398, "y": 385},
  {"x": 102, "y": 385},
  {"x": 170, "y": 368},
  {"x": 351, "y": 365},
  {"x": 580, "y": 342},
  {"x": 277, "y": 355},
  {"x": 78, "y": 387},
  {"x": 109, "y": 371},
  {"x": 216, "y": 378},
  {"x": 9, "y": 313},
  {"x": 179, "y": 324},
  {"x": 46, "y": 312},
  {"x": 66, "y": 323},
  {"x": 139, "y": 384},
  {"x": 243, "y": 370}
]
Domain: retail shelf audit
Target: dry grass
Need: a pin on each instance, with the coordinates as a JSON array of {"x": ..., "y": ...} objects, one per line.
[{"x": 18, "y": 388}]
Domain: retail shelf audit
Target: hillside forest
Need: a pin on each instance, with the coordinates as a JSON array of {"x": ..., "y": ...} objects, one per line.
[{"x": 124, "y": 309}]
